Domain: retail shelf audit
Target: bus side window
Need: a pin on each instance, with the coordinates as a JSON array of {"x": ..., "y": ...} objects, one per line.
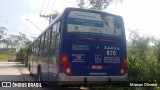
[
  {"x": 57, "y": 37},
  {"x": 29, "y": 50},
  {"x": 43, "y": 42},
  {"x": 34, "y": 48},
  {"x": 47, "y": 39},
  {"x": 50, "y": 37},
  {"x": 54, "y": 28},
  {"x": 37, "y": 46},
  {"x": 39, "y": 43},
  {"x": 58, "y": 27},
  {"x": 52, "y": 42}
]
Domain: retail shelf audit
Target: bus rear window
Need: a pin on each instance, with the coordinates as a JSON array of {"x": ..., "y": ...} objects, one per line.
[{"x": 79, "y": 21}]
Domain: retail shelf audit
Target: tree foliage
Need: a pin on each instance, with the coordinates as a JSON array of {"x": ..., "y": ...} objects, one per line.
[
  {"x": 81, "y": 3},
  {"x": 15, "y": 41},
  {"x": 97, "y": 4},
  {"x": 142, "y": 62},
  {"x": 2, "y": 32},
  {"x": 21, "y": 55},
  {"x": 157, "y": 50}
]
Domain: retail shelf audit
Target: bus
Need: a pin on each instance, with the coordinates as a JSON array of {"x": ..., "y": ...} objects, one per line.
[{"x": 80, "y": 46}]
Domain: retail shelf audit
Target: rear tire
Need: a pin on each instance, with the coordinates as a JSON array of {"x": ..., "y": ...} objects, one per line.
[
  {"x": 29, "y": 68},
  {"x": 39, "y": 73}
]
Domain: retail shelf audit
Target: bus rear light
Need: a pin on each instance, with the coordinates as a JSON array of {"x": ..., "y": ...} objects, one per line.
[
  {"x": 123, "y": 67},
  {"x": 64, "y": 58},
  {"x": 65, "y": 64},
  {"x": 122, "y": 71},
  {"x": 68, "y": 70}
]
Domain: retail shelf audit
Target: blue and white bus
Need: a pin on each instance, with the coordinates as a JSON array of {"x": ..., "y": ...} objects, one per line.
[{"x": 80, "y": 45}]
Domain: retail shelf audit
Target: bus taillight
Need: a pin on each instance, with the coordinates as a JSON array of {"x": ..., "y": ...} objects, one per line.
[
  {"x": 65, "y": 64},
  {"x": 123, "y": 67}
]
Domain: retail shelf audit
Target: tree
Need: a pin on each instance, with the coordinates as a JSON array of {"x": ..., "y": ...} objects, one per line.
[
  {"x": 157, "y": 54},
  {"x": 81, "y": 3},
  {"x": 2, "y": 32},
  {"x": 101, "y": 4},
  {"x": 157, "y": 51},
  {"x": 5, "y": 43},
  {"x": 21, "y": 55},
  {"x": 97, "y": 4},
  {"x": 16, "y": 41},
  {"x": 21, "y": 39},
  {"x": 12, "y": 41},
  {"x": 141, "y": 58}
]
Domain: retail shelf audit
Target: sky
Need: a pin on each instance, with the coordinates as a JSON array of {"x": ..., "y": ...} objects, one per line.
[{"x": 142, "y": 15}]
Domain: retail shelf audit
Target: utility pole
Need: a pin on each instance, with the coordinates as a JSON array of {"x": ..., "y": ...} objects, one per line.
[{"x": 48, "y": 17}]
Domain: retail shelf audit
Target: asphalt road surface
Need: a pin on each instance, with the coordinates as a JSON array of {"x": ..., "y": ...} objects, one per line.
[{"x": 15, "y": 71}]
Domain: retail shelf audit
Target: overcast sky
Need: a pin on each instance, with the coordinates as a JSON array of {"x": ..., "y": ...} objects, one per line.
[{"x": 138, "y": 14}]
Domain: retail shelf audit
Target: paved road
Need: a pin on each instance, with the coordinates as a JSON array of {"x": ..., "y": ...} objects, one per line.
[
  {"x": 15, "y": 71},
  {"x": 10, "y": 72}
]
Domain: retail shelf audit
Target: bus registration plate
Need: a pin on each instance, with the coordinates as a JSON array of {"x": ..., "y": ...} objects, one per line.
[{"x": 97, "y": 67}]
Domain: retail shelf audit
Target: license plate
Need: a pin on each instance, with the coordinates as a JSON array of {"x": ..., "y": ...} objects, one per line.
[{"x": 97, "y": 67}]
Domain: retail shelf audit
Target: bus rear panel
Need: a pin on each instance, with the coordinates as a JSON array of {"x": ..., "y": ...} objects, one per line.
[{"x": 93, "y": 47}]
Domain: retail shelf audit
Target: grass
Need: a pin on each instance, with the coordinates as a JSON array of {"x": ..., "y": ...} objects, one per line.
[{"x": 4, "y": 56}]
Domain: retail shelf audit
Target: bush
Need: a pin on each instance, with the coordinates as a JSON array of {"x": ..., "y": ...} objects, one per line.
[
  {"x": 143, "y": 63},
  {"x": 21, "y": 55}
]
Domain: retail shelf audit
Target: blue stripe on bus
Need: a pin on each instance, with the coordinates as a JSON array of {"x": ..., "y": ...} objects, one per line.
[{"x": 85, "y": 22}]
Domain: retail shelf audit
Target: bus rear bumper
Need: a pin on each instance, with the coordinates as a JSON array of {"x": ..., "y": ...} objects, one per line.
[{"x": 76, "y": 80}]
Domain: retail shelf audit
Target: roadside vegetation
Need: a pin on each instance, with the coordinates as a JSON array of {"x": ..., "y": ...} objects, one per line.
[
  {"x": 4, "y": 55},
  {"x": 143, "y": 59},
  {"x": 21, "y": 56},
  {"x": 10, "y": 44}
]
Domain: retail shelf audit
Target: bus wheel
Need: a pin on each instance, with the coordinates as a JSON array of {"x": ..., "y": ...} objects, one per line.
[{"x": 39, "y": 73}]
